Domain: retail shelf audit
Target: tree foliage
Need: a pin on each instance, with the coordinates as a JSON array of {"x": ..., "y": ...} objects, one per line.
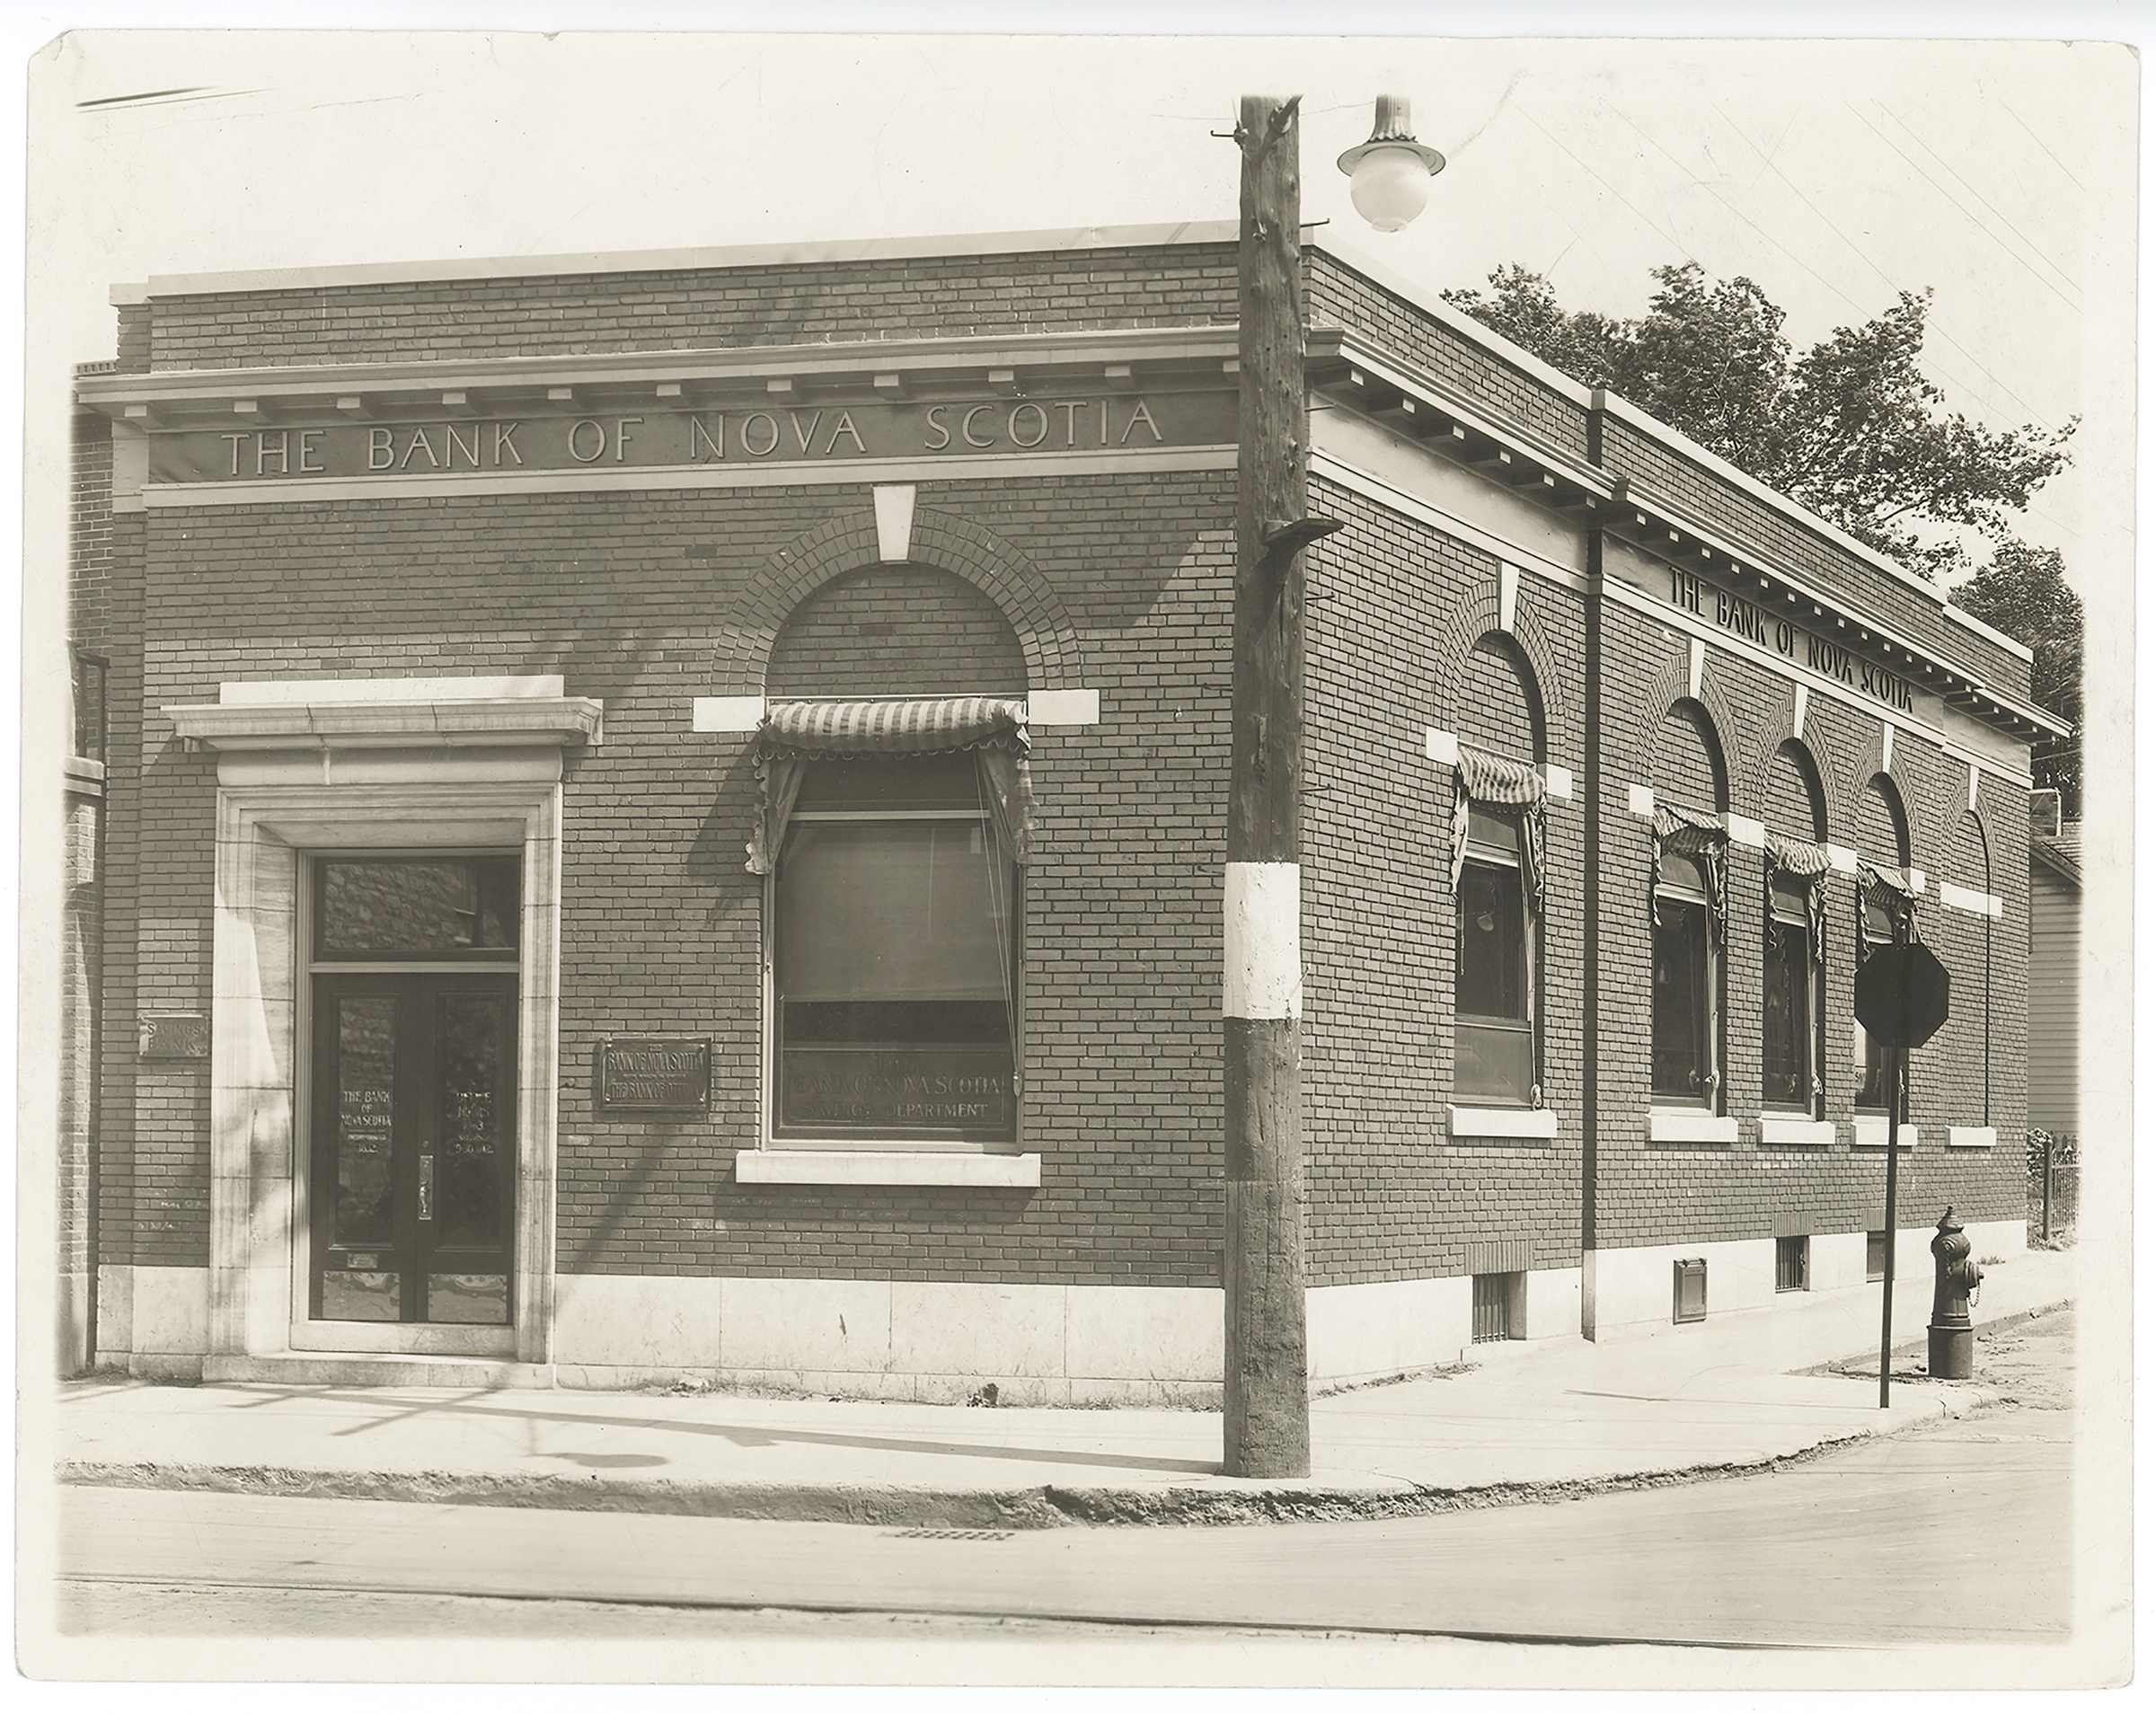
[
  {"x": 1849, "y": 430},
  {"x": 2024, "y": 593}
]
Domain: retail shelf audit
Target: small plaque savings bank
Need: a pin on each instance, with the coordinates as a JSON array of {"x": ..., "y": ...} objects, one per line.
[{"x": 655, "y": 1075}]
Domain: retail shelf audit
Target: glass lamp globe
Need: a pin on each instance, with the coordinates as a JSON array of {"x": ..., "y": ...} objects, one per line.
[
  {"x": 1388, "y": 177},
  {"x": 1389, "y": 187}
]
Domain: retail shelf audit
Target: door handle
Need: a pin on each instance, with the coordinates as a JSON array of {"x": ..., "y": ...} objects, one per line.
[{"x": 427, "y": 1186}]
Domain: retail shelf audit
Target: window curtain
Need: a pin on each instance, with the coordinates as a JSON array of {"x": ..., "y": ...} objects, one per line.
[
  {"x": 1890, "y": 889},
  {"x": 1706, "y": 841},
  {"x": 1495, "y": 783},
  {"x": 794, "y": 734},
  {"x": 1808, "y": 863}
]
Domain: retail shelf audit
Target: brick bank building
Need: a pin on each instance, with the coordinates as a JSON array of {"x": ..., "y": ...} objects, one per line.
[{"x": 662, "y": 816}]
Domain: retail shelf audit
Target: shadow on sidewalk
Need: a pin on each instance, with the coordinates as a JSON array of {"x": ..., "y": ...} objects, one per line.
[{"x": 468, "y": 1405}]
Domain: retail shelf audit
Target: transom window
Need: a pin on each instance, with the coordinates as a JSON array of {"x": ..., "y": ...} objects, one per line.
[
  {"x": 895, "y": 957},
  {"x": 1493, "y": 993},
  {"x": 416, "y": 907}
]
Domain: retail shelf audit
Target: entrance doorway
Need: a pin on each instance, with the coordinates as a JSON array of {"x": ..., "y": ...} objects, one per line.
[
  {"x": 414, "y": 1179},
  {"x": 412, "y": 1168}
]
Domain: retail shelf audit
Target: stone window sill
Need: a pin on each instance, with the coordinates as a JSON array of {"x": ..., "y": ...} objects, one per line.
[
  {"x": 1971, "y": 1136},
  {"x": 1871, "y": 1134},
  {"x": 879, "y": 1166},
  {"x": 1509, "y": 1124},
  {"x": 1796, "y": 1133},
  {"x": 1690, "y": 1127}
]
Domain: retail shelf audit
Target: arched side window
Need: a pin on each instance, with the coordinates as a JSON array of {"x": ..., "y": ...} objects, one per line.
[
  {"x": 1792, "y": 994},
  {"x": 1498, "y": 867},
  {"x": 1689, "y": 909},
  {"x": 895, "y": 824},
  {"x": 1885, "y": 913}
]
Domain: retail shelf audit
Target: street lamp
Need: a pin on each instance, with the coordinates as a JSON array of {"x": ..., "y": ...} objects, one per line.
[
  {"x": 1266, "y": 1392},
  {"x": 1388, "y": 177}
]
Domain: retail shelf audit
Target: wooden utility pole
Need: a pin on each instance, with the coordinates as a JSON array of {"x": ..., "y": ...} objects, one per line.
[{"x": 1266, "y": 1430}]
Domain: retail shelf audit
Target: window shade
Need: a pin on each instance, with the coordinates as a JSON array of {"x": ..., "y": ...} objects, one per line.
[
  {"x": 795, "y": 734},
  {"x": 1808, "y": 863},
  {"x": 1481, "y": 778},
  {"x": 1704, "y": 840}
]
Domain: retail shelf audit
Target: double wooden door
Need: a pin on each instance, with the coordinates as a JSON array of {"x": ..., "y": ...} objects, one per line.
[{"x": 413, "y": 1179}]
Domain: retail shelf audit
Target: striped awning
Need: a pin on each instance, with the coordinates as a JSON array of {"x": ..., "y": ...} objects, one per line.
[
  {"x": 1491, "y": 778},
  {"x": 915, "y": 726},
  {"x": 1886, "y": 883},
  {"x": 1797, "y": 857}
]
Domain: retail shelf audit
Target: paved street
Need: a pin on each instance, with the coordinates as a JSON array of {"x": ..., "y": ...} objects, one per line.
[{"x": 1863, "y": 1547}]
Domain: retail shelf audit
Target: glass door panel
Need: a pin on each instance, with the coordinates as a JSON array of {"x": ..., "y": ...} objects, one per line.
[{"x": 414, "y": 1156}]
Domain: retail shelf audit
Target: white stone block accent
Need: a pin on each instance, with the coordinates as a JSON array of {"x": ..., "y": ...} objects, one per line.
[
  {"x": 1509, "y": 596},
  {"x": 1697, "y": 668},
  {"x": 1804, "y": 699},
  {"x": 1640, "y": 801},
  {"x": 796, "y": 1324},
  {"x": 1843, "y": 859},
  {"x": 1916, "y": 881},
  {"x": 273, "y": 691},
  {"x": 1690, "y": 1127},
  {"x": 1962, "y": 898},
  {"x": 1539, "y": 1123},
  {"x": 1440, "y": 747},
  {"x": 1558, "y": 781},
  {"x": 1362, "y": 1332},
  {"x": 1745, "y": 831},
  {"x": 637, "y": 1321},
  {"x": 1063, "y": 708},
  {"x": 726, "y": 713},
  {"x": 1971, "y": 1136},
  {"x": 882, "y": 1166},
  {"x": 894, "y": 521},
  {"x": 1885, "y": 746},
  {"x": 1871, "y": 1134},
  {"x": 1794, "y": 1132}
]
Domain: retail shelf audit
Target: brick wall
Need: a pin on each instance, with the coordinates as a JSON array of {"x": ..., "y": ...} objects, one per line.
[
  {"x": 896, "y": 631},
  {"x": 1749, "y": 523},
  {"x": 691, "y": 309},
  {"x": 1336, "y": 296},
  {"x": 1648, "y": 1193},
  {"x": 629, "y": 597},
  {"x": 1391, "y": 649}
]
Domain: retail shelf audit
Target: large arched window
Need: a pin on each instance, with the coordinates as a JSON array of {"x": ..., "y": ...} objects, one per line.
[
  {"x": 896, "y": 820},
  {"x": 1883, "y": 916},
  {"x": 1791, "y": 993},
  {"x": 1497, "y": 876},
  {"x": 1690, "y": 908}
]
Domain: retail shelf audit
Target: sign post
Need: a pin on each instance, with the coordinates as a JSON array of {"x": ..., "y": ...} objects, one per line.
[{"x": 1902, "y": 994}]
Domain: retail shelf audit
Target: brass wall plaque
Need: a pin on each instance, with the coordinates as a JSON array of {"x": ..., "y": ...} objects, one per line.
[
  {"x": 655, "y": 1075},
  {"x": 173, "y": 1035}
]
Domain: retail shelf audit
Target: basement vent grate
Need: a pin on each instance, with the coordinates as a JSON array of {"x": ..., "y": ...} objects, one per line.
[{"x": 955, "y": 1535}]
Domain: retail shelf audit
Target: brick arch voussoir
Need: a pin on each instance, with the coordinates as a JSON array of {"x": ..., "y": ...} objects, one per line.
[
  {"x": 1768, "y": 752},
  {"x": 1732, "y": 732},
  {"x": 1472, "y": 612},
  {"x": 1473, "y": 617},
  {"x": 847, "y": 543},
  {"x": 1644, "y": 720},
  {"x": 1930, "y": 818}
]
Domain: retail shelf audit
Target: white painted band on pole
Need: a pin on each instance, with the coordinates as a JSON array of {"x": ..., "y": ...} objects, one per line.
[{"x": 1262, "y": 940}]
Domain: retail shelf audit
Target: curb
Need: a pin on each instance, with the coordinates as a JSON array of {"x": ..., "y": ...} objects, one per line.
[{"x": 1001, "y": 1509}]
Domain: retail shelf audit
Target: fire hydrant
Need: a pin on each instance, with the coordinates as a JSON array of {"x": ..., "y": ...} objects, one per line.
[{"x": 1955, "y": 1276}]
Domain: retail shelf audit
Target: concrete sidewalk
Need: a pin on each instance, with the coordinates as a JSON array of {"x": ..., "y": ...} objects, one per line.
[{"x": 1530, "y": 1422}]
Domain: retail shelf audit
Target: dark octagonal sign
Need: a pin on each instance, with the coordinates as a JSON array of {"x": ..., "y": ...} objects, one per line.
[{"x": 1902, "y": 994}]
